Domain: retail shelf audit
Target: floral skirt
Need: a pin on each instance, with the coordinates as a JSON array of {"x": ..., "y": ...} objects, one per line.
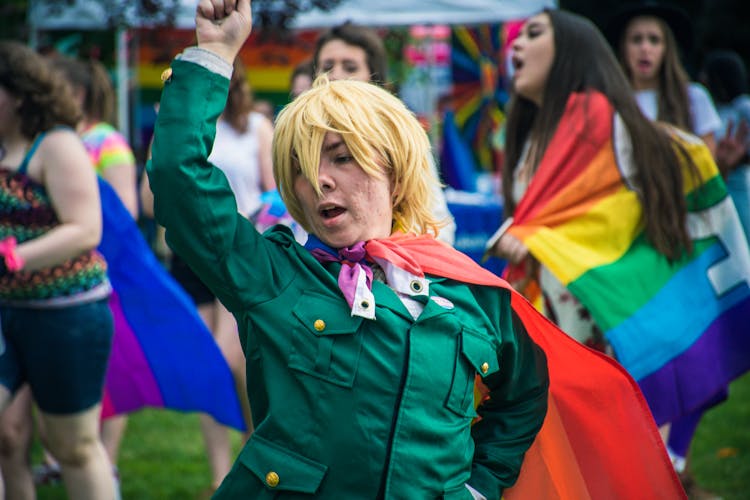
[{"x": 562, "y": 308}]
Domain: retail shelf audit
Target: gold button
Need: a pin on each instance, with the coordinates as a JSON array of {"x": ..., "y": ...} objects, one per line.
[
  {"x": 319, "y": 325},
  {"x": 416, "y": 286},
  {"x": 485, "y": 367},
  {"x": 166, "y": 74},
  {"x": 272, "y": 479}
]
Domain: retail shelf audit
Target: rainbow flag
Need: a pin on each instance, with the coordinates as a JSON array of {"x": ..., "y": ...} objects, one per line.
[
  {"x": 680, "y": 328},
  {"x": 163, "y": 355},
  {"x": 598, "y": 439}
]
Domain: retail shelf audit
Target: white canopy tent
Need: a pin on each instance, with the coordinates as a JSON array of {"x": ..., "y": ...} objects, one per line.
[
  {"x": 94, "y": 15},
  {"x": 410, "y": 12}
]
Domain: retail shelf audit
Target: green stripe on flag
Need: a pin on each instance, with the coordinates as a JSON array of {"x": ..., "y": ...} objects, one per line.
[{"x": 597, "y": 288}]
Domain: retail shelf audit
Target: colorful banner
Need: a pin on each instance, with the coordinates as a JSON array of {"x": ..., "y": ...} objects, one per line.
[
  {"x": 163, "y": 355},
  {"x": 680, "y": 328}
]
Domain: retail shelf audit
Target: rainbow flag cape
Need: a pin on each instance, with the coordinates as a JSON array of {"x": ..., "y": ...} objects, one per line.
[
  {"x": 163, "y": 355},
  {"x": 598, "y": 439},
  {"x": 681, "y": 329}
]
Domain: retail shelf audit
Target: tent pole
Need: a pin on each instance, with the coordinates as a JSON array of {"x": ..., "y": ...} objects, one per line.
[
  {"x": 123, "y": 83},
  {"x": 33, "y": 29}
]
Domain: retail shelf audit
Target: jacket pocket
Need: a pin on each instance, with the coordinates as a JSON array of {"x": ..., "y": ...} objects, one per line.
[
  {"x": 326, "y": 341},
  {"x": 280, "y": 469},
  {"x": 477, "y": 354}
]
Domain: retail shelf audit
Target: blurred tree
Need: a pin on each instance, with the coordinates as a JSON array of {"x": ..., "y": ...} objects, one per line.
[{"x": 13, "y": 19}]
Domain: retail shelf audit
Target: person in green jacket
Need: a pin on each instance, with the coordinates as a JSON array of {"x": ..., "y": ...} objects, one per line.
[{"x": 363, "y": 346}]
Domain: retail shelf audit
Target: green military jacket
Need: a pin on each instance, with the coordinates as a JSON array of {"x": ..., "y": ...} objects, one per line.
[{"x": 344, "y": 407}]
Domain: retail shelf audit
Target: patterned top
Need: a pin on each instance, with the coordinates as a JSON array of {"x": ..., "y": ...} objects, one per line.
[
  {"x": 26, "y": 213},
  {"x": 106, "y": 147}
]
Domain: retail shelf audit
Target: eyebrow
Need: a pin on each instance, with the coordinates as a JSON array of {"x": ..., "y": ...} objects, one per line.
[
  {"x": 536, "y": 24},
  {"x": 330, "y": 147}
]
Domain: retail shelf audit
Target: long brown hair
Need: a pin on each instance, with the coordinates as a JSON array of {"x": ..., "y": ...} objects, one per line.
[
  {"x": 672, "y": 94},
  {"x": 584, "y": 62},
  {"x": 239, "y": 100},
  {"x": 92, "y": 78},
  {"x": 46, "y": 101}
]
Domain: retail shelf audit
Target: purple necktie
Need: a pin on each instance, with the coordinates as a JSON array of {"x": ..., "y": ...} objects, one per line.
[{"x": 352, "y": 263}]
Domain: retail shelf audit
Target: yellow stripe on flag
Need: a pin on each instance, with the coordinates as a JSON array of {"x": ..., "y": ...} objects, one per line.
[{"x": 600, "y": 236}]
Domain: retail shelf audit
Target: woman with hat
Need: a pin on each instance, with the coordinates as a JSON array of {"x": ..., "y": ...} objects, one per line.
[{"x": 647, "y": 36}]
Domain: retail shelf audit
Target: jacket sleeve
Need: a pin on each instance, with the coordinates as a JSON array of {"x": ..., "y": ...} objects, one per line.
[
  {"x": 513, "y": 414},
  {"x": 193, "y": 200}
]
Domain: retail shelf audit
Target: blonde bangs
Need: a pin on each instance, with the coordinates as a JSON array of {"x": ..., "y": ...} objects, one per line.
[{"x": 382, "y": 135}]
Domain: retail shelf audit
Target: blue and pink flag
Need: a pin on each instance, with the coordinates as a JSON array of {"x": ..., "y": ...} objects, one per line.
[{"x": 163, "y": 355}]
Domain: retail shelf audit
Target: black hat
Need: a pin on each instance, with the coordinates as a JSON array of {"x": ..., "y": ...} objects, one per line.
[{"x": 676, "y": 18}]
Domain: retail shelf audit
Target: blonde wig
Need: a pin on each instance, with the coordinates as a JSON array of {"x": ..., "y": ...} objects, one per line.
[{"x": 383, "y": 136}]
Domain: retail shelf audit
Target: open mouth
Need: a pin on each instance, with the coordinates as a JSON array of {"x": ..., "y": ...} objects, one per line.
[
  {"x": 517, "y": 63},
  {"x": 331, "y": 212}
]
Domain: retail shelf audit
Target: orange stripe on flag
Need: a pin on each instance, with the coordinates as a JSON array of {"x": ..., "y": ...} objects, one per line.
[{"x": 550, "y": 469}]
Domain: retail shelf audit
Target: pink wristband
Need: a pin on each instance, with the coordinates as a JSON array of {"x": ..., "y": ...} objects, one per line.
[{"x": 13, "y": 261}]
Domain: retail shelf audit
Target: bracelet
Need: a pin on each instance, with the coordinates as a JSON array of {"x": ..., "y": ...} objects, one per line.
[{"x": 11, "y": 260}]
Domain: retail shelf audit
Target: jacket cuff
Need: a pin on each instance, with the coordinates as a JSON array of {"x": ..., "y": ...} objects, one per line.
[{"x": 208, "y": 60}]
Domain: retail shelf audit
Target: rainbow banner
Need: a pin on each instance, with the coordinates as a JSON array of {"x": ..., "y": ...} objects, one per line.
[
  {"x": 163, "y": 355},
  {"x": 598, "y": 439},
  {"x": 680, "y": 328}
]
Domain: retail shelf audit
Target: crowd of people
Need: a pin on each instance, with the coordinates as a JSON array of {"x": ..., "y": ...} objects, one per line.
[{"x": 356, "y": 336}]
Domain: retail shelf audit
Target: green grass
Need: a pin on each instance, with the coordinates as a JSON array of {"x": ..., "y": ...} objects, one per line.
[
  {"x": 721, "y": 450},
  {"x": 163, "y": 457}
]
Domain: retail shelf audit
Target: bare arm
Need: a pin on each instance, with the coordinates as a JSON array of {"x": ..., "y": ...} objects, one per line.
[
  {"x": 147, "y": 198},
  {"x": 710, "y": 141},
  {"x": 732, "y": 149},
  {"x": 265, "y": 139},
  {"x": 65, "y": 169},
  {"x": 122, "y": 178},
  {"x": 510, "y": 248}
]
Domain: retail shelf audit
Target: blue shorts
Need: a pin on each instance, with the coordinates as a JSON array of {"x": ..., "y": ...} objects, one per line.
[{"x": 61, "y": 352}]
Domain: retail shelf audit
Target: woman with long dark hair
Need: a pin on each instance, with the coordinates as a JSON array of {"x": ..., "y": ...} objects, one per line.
[
  {"x": 613, "y": 205},
  {"x": 648, "y": 37}
]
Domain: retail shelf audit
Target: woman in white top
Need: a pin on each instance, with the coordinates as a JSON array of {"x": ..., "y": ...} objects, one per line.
[
  {"x": 647, "y": 38},
  {"x": 242, "y": 149}
]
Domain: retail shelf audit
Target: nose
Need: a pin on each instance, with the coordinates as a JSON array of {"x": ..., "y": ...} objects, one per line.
[
  {"x": 336, "y": 73},
  {"x": 516, "y": 45},
  {"x": 326, "y": 182}
]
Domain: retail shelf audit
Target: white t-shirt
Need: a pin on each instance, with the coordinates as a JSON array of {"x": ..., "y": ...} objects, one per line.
[
  {"x": 236, "y": 154},
  {"x": 702, "y": 111}
]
